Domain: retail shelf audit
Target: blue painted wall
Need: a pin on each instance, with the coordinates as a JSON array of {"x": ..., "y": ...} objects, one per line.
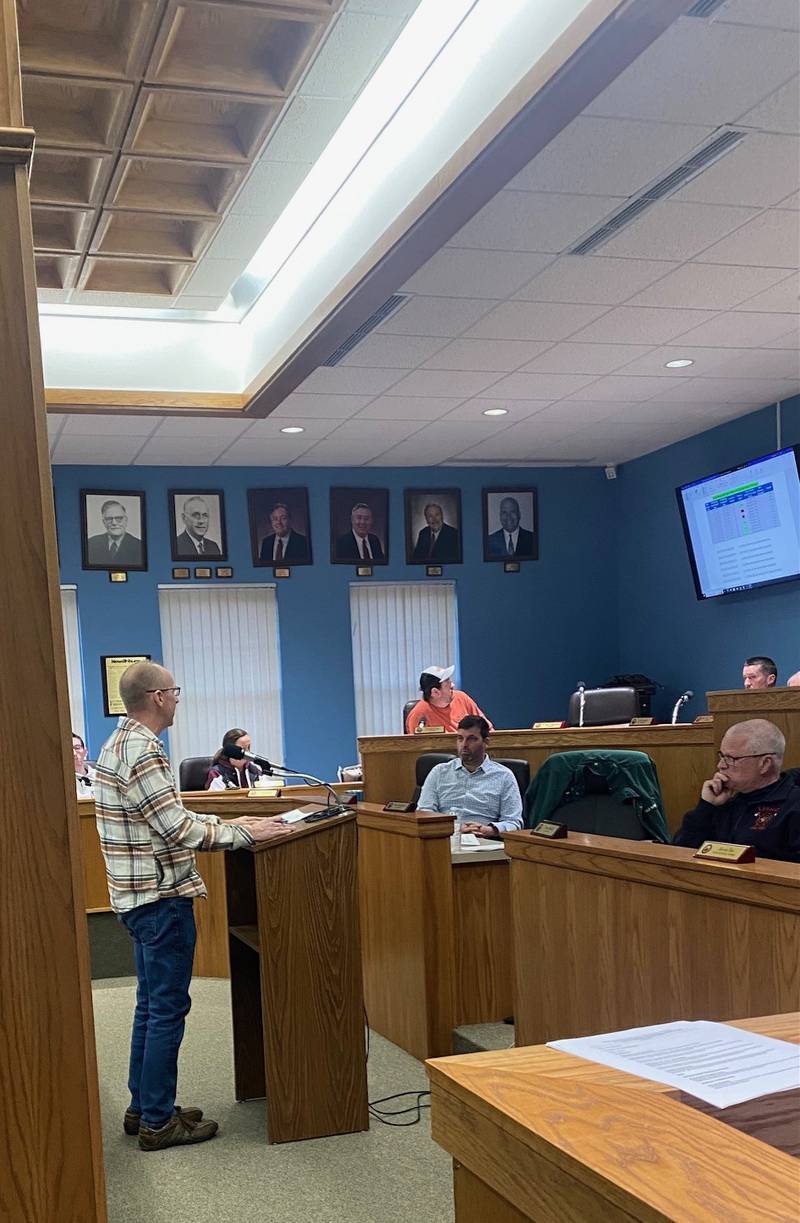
[
  {"x": 663, "y": 629},
  {"x": 524, "y": 638}
]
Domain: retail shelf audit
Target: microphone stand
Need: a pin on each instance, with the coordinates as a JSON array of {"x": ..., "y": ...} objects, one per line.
[
  {"x": 335, "y": 808},
  {"x": 682, "y": 700},
  {"x": 582, "y": 691}
]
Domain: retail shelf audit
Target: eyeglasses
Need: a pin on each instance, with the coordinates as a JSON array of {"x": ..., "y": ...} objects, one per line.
[
  {"x": 175, "y": 691},
  {"x": 724, "y": 758}
]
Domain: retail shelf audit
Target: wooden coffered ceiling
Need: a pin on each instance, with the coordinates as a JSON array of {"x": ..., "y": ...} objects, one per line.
[{"x": 148, "y": 115}]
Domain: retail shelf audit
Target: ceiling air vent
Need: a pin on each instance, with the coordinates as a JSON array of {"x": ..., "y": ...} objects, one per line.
[
  {"x": 389, "y": 307},
  {"x": 705, "y": 8},
  {"x": 679, "y": 177}
]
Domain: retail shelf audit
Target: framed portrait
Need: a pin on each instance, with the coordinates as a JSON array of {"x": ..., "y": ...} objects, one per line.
[
  {"x": 359, "y": 526},
  {"x": 113, "y": 532},
  {"x": 433, "y": 526},
  {"x": 197, "y": 524},
  {"x": 280, "y": 526},
  {"x": 510, "y": 524},
  {"x": 111, "y": 667}
]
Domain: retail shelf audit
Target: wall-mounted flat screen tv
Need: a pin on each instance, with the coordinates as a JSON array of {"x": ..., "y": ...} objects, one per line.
[{"x": 742, "y": 526}]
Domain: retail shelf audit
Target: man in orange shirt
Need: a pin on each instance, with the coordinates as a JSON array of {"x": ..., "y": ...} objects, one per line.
[{"x": 442, "y": 705}]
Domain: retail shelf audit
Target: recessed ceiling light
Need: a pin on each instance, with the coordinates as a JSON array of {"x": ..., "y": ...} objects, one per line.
[
  {"x": 292, "y": 429},
  {"x": 495, "y": 411},
  {"x": 681, "y": 364}
]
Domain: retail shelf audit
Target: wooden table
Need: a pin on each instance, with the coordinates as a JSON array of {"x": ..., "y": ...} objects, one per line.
[
  {"x": 435, "y": 930},
  {"x": 683, "y": 755},
  {"x": 541, "y": 1135},
  {"x": 611, "y": 934}
]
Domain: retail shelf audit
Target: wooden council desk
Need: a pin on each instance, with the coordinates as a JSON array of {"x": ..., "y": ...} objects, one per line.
[
  {"x": 778, "y": 705},
  {"x": 683, "y": 755},
  {"x": 611, "y": 934},
  {"x": 537, "y": 1134}
]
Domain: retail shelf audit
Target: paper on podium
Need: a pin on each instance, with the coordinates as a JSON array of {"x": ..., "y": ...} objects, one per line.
[{"x": 713, "y": 1061}]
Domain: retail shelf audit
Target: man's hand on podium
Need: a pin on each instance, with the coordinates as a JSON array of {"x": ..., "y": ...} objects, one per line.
[{"x": 261, "y": 827}]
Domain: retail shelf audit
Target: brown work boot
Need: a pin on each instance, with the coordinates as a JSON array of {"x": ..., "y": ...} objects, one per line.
[
  {"x": 131, "y": 1120},
  {"x": 176, "y": 1133}
]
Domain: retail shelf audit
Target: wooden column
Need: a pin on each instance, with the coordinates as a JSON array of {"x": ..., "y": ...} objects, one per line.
[{"x": 49, "y": 1105}]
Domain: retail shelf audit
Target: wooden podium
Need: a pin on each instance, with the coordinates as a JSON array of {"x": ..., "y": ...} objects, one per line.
[
  {"x": 537, "y": 1134},
  {"x": 298, "y": 1020},
  {"x": 778, "y": 705}
]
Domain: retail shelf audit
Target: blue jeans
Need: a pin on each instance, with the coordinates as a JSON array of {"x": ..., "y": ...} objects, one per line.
[{"x": 163, "y": 936}]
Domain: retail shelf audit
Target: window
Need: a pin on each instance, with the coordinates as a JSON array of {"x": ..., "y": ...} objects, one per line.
[
  {"x": 222, "y": 648},
  {"x": 72, "y": 646},
  {"x": 397, "y": 629}
]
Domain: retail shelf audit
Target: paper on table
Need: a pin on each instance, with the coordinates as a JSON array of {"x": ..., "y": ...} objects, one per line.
[
  {"x": 713, "y": 1061},
  {"x": 292, "y": 817}
]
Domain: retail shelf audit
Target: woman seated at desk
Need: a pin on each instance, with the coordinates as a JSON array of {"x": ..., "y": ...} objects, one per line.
[
  {"x": 84, "y": 775},
  {"x": 227, "y": 774}
]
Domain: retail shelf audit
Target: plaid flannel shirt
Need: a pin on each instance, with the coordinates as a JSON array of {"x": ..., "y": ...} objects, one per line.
[{"x": 147, "y": 836}]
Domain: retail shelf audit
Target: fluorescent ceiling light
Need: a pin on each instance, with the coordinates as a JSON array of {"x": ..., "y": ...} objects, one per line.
[
  {"x": 495, "y": 411},
  {"x": 292, "y": 429},
  {"x": 679, "y": 364}
]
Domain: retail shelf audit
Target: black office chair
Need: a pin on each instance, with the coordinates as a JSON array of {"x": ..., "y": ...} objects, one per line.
[
  {"x": 604, "y": 707},
  {"x": 605, "y": 791},
  {"x": 193, "y": 772},
  {"x": 409, "y": 705},
  {"x": 521, "y": 770},
  {"x": 424, "y": 764}
]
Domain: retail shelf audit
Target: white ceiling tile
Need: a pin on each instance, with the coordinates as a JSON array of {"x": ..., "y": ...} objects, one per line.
[
  {"x": 577, "y": 413},
  {"x": 707, "y": 286},
  {"x": 263, "y": 428},
  {"x": 761, "y": 170},
  {"x": 538, "y": 386},
  {"x": 215, "y": 276},
  {"x": 438, "y": 442},
  {"x": 712, "y": 390},
  {"x": 355, "y": 46},
  {"x": 790, "y": 340},
  {"x": 55, "y": 424},
  {"x": 593, "y": 156},
  {"x": 434, "y": 316},
  {"x": 181, "y": 451},
  {"x": 771, "y": 239},
  {"x": 671, "y": 81},
  {"x": 791, "y": 201},
  {"x": 305, "y": 129},
  {"x": 203, "y": 426},
  {"x": 618, "y": 388},
  {"x": 111, "y": 450},
  {"x": 265, "y": 451},
  {"x": 87, "y": 424},
  {"x": 458, "y": 272},
  {"x": 671, "y": 230},
  {"x": 593, "y": 280},
  {"x": 738, "y": 329},
  {"x": 392, "y": 351},
  {"x": 447, "y": 383},
  {"x": 391, "y": 8},
  {"x": 760, "y": 363},
  {"x": 344, "y": 454},
  {"x": 399, "y": 407},
  {"x": 641, "y": 325},
  {"x": 378, "y": 433},
  {"x": 500, "y": 355},
  {"x": 321, "y": 407},
  {"x": 238, "y": 237},
  {"x": 516, "y": 409},
  {"x": 570, "y": 358},
  {"x": 133, "y": 301},
  {"x": 268, "y": 190},
  {"x": 780, "y": 111},
  {"x": 190, "y": 301},
  {"x": 532, "y": 221},
  {"x": 517, "y": 320},
  {"x": 778, "y": 14},
  {"x": 704, "y": 359},
  {"x": 344, "y": 380}
]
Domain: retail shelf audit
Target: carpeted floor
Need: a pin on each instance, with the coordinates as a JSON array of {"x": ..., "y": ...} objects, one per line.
[{"x": 382, "y": 1176}]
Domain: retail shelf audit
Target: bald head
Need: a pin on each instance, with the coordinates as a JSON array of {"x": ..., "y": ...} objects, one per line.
[
  {"x": 794, "y": 680},
  {"x": 137, "y": 683},
  {"x": 756, "y": 735}
]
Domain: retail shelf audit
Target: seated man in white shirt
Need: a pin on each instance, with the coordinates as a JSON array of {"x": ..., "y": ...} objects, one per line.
[
  {"x": 485, "y": 794},
  {"x": 84, "y": 775}
]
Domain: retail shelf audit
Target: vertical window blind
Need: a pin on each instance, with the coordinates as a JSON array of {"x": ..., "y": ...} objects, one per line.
[
  {"x": 72, "y": 646},
  {"x": 222, "y": 648},
  {"x": 397, "y": 629}
]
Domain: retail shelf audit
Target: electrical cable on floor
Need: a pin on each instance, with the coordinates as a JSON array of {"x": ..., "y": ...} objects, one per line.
[{"x": 380, "y": 1114}]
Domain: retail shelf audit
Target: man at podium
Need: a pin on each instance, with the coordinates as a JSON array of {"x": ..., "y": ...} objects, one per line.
[{"x": 749, "y": 801}]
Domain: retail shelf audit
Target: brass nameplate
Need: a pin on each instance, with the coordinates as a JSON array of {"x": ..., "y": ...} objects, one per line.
[
  {"x": 264, "y": 792},
  {"x": 548, "y": 726},
  {"x": 550, "y": 829},
  {"x": 725, "y": 851},
  {"x": 430, "y": 730},
  {"x": 704, "y": 719},
  {"x": 642, "y": 722}
]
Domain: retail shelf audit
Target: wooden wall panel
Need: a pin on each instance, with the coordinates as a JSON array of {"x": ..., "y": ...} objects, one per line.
[{"x": 484, "y": 960}]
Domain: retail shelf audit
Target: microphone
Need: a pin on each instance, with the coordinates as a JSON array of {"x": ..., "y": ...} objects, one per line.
[
  {"x": 682, "y": 700},
  {"x": 238, "y": 753},
  {"x": 581, "y": 689}
]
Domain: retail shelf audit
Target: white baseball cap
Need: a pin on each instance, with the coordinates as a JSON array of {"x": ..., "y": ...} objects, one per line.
[{"x": 440, "y": 673}]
